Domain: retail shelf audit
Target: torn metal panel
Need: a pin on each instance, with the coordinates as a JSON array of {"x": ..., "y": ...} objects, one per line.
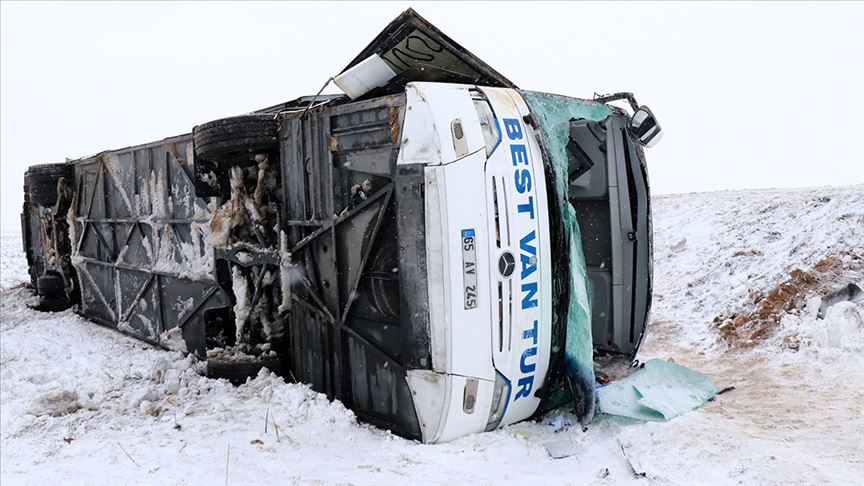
[
  {"x": 415, "y": 50},
  {"x": 138, "y": 235},
  {"x": 428, "y": 135},
  {"x": 851, "y": 293}
]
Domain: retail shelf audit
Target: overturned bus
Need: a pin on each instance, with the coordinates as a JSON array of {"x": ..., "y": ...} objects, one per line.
[{"x": 441, "y": 251}]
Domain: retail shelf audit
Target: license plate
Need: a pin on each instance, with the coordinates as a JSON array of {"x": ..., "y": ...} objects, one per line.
[{"x": 469, "y": 268}]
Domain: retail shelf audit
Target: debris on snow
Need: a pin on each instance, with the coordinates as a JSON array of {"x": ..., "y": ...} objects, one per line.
[
  {"x": 172, "y": 339},
  {"x": 795, "y": 416},
  {"x": 55, "y": 403},
  {"x": 240, "y": 287},
  {"x": 658, "y": 390},
  {"x": 760, "y": 323}
]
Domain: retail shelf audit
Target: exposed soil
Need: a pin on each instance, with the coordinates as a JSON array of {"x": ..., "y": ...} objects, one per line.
[{"x": 760, "y": 318}]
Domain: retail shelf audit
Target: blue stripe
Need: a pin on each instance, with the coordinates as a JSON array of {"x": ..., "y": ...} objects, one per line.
[{"x": 497, "y": 127}]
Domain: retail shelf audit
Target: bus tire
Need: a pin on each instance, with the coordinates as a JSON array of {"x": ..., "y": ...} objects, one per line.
[
  {"x": 232, "y": 141},
  {"x": 41, "y": 182}
]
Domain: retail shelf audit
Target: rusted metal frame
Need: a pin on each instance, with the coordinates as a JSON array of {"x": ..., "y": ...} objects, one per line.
[
  {"x": 176, "y": 233},
  {"x": 379, "y": 275},
  {"x": 155, "y": 231},
  {"x": 118, "y": 187},
  {"x": 126, "y": 240},
  {"x": 198, "y": 307},
  {"x": 309, "y": 212},
  {"x": 101, "y": 297},
  {"x": 135, "y": 190},
  {"x": 259, "y": 257},
  {"x": 367, "y": 146},
  {"x": 330, "y": 224},
  {"x": 125, "y": 316},
  {"x": 172, "y": 147},
  {"x": 312, "y": 189},
  {"x": 360, "y": 127},
  {"x": 312, "y": 197},
  {"x": 167, "y": 168},
  {"x": 334, "y": 332},
  {"x": 75, "y": 220},
  {"x": 297, "y": 222},
  {"x": 135, "y": 225},
  {"x": 89, "y": 206},
  {"x": 111, "y": 256},
  {"x": 118, "y": 301},
  {"x": 321, "y": 306},
  {"x": 256, "y": 295},
  {"x": 108, "y": 248},
  {"x": 168, "y": 199},
  {"x": 306, "y": 304},
  {"x": 358, "y": 337},
  {"x": 81, "y": 237},
  {"x": 138, "y": 220},
  {"x": 298, "y": 336},
  {"x": 78, "y": 187},
  {"x": 312, "y": 269},
  {"x": 55, "y": 249},
  {"x": 125, "y": 266},
  {"x": 259, "y": 235},
  {"x": 158, "y": 279},
  {"x": 93, "y": 194},
  {"x": 365, "y": 257}
]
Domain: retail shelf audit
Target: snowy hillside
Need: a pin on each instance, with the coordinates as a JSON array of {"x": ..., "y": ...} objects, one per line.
[{"x": 86, "y": 405}]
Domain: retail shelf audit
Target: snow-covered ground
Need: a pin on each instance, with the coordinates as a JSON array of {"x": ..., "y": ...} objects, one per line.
[{"x": 83, "y": 404}]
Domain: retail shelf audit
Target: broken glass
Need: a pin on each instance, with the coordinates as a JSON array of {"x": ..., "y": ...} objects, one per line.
[{"x": 554, "y": 113}]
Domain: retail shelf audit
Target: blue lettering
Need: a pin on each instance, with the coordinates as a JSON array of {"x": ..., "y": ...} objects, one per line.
[
  {"x": 525, "y": 384},
  {"x": 513, "y": 128},
  {"x": 524, "y": 365},
  {"x": 523, "y": 183},
  {"x": 531, "y": 333},
  {"x": 529, "y": 264},
  {"x": 519, "y": 154},
  {"x": 524, "y": 243},
  {"x": 527, "y": 207},
  {"x": 529, "y": 299}
]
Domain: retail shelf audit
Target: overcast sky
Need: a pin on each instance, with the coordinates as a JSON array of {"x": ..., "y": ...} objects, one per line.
[{"x": 749, "y": 95}]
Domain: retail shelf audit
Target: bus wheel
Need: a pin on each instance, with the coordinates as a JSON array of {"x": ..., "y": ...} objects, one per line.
[
  {"x": 42, "y": 182},
  {"x": 222, "y": 144}
]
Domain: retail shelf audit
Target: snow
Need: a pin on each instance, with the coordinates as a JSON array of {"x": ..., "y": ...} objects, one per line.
[
  {"x": 13, "y": 263},
  {"x": 87, "y": 405},
  {"x": 240, "y": 287}
]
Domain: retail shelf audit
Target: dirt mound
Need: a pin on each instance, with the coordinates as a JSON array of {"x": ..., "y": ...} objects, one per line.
[{"x": 760, "y": 317}]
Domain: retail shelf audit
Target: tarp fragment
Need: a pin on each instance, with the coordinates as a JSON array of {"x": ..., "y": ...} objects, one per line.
[{"x": 659, "y": 391}]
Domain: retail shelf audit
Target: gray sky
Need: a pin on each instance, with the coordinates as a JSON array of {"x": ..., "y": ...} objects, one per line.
[{"x": 749, "y": 95}]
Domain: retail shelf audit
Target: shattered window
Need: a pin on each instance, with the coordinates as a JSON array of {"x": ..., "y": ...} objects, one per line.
[{"x": 554, "y": 113}]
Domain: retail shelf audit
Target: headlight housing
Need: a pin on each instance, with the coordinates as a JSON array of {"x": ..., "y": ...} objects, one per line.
[{"x": 500, "y": 399}]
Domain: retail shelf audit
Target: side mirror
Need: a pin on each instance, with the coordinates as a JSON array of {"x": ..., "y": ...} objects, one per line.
[{"x": 645, "y": 128}]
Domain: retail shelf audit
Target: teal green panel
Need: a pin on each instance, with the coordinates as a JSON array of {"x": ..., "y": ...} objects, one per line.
[
  {"x": 554, "y": 114},
  {"x": 659, "y": 391}
]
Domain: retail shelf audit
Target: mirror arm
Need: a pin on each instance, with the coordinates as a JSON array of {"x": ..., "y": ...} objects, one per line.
[{"x": 631, "y": 100}]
